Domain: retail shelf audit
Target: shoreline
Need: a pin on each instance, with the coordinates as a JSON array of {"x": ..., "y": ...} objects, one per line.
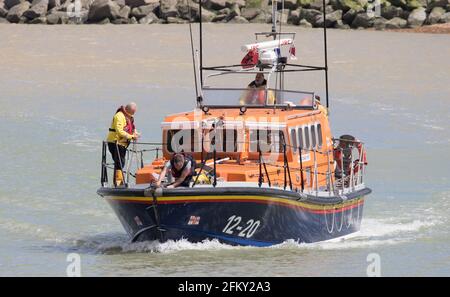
[
  {"x": 430, "y": 29},
  {"x": 438, "y": 29},
  {"x": 416, "y": 16}
]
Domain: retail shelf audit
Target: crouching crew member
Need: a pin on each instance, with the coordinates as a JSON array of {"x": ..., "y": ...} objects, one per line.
[
  {"x": 181, "y": 168},
  {"x": 121, "y": 133}
]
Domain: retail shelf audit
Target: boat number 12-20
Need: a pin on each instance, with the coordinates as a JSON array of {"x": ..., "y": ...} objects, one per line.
[{"x": 244, "y": 231}]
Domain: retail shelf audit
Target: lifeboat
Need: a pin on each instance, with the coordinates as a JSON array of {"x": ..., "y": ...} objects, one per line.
[{"x": 267, "y": 170}]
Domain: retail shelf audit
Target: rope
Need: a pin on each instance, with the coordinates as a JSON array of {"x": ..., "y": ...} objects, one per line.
[
  {"x": 350, "y": 221},
  {"x": 326, "y": 222},
  {"x": 342, "y": 222}
]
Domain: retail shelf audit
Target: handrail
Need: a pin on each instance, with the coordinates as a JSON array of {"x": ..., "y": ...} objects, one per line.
[{"x": 338, "y": 179}]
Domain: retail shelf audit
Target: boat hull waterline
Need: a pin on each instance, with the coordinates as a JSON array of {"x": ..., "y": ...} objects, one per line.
[{"x": 236, "y": 216}]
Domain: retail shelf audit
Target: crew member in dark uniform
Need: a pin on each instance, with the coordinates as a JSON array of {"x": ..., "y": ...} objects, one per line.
[{"x": 181, "y": 169}]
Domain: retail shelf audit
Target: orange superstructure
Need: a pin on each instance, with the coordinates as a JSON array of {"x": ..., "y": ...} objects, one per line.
[{"x": 237, "y": 155}]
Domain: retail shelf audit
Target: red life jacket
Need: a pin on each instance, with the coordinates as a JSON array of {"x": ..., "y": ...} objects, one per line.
[
  {"x": 338, "y": 155},
  {"x": 129, "y": 128}
]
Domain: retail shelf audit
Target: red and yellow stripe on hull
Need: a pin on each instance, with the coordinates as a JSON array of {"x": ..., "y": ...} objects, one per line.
[{"x": 299, "y": 205}]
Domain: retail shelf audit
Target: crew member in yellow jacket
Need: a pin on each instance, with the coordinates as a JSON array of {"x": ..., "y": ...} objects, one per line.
[{"x": 121, "y": 133}]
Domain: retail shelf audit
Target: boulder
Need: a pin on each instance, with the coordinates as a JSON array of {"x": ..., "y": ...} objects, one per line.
[
  {"x": 350, "y": 15},
  {"x": 340, "y": 25},
  {"x": 84, "y": 3},
  {"x": 396, "y": 23},
  {"x": 261, "y": 18},
  {"x": 121, "y": 3},
  {"x": 417, "y": 17},
  {"x": 219, "y": 18},
  {"x": 226, "y": 11},
  {"x": 305, "y": 3},
  {"x": 310, "y": 15},
  {"x": 124, "y": 12},
  {"x": 413, "y": 4},
  {"x": 363, "y": 20},
  {"x": 398, "y": 3},
  {"x": 39, "y": 20},
  {"x": 3, "y": 10},
  {"x": 234, "y": 12},
  {"x": 329, "y": 9},
  {"x": 390, "y": 12},
  {"x": 54, "y": 3},
  {"x": 16, "y": 12},
  {"x": 207, "y": 15},
  {"x": 142, "y": 11},
  {"x": 346, "y": 5},
  {"x": 151, "y": 18},
  {"x": 120, "y": 21},
  {"x": 3, "y": 21},
  {"x": 57, "y": 17},
  {"x": 11, "y": 3},
  {"x": 105, "y": 21},
  {"x": 333, "y": 17},
  {"x": 38, "y": 9},
  {"x": 446, "y": 18},
  {"x": 305, "y": 24},
  {"x": 168, "y": 8},
  {"x": 174, "y": 20},
  {"x": 137, "y": 3},
  {"x": 437, "y": 3},
  {"x": 133, "y": 21},
  {"x": 289, "y": 4},
  {"x": 379, "y": 23},
  {"x": 103, "y": 9},
  {"x": 318, "y": 4},
  {"x": 238, "y": 20},
  {"x": 294, "y": 16},
  {"x": 250, "y": 13},
  {"x": 240, "y": 3},
  {"x": 435, "y": 15},
  {"x": 330, "y": 19},
  {"x": 187, "y": 9},
  {"x": 215, "y": 4}
]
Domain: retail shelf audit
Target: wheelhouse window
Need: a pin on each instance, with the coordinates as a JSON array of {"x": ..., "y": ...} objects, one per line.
[
  {"x": 313, "y": 137},
  {"x": 181, "y": 140},
  {"x": 319, "y": 135},
  {"x": 189, "y": 140},
  {"x": 307, "y": 140},
  {"x": 300, "y": 138},
  {"x": 268, "y": 140},
  {"x": 294, "y": 140},
  {"x": 254, "y": 97},
  {"x": 310, "y": 136},
  {"x": 225, "y": 140}
]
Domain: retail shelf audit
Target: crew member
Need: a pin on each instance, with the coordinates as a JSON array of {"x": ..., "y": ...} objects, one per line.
[
  {"x": 181, "y": 168},
  {"x": 256, "y": 92},
  {"x": 121, "y": 133}
]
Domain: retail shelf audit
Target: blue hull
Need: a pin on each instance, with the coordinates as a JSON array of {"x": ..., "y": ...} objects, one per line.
[{"x": 256, "y": 219}]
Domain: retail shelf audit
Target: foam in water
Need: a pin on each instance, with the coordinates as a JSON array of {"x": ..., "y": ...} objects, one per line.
[{"x": 373, "y": 232}]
